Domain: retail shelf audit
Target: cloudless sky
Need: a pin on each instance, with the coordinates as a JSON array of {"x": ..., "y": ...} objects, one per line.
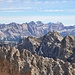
[{"x": 22, "y": 11}]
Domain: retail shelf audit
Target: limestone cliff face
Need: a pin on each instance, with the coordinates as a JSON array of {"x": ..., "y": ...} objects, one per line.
[{"x": 48, "y": 55}]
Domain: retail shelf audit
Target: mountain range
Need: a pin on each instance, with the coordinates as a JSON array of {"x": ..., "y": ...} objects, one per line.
[
  {"x": 15, "y": 31},
  {"x": 50, "y": 54}
]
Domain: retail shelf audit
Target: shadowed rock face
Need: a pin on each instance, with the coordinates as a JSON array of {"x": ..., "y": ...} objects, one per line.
[{"x": 48, "y": 55}]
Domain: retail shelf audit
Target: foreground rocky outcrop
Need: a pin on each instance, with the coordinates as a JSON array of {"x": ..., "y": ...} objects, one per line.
[
  {"x": 15, "y": 62},
  {"x": 47, "y": 55}
]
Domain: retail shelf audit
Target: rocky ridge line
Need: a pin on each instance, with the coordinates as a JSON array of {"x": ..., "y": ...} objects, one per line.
[{"x": 47, "y": 55}]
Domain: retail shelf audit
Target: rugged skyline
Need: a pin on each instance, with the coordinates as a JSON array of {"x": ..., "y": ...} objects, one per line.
[
  {"x": 15, "y": 31},
  {"x": 22, "y": 11}
]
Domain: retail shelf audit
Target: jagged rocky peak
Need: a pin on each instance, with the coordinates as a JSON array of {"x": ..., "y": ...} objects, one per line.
[
  {"x": 13, "y": 24},
  {"x": 49, "y": 37},
  {"x": 59, "y": 23},
  {"x": 30, "y": 38},
  {"x": 39, "y": 23},
  {"x": 29, "y": 43},
  {"x": 50, "y": 45},
  {"x": 69, "y": 38},
  {"x": 56, "y": 26},
  {"x": 32, "y": 23},
  {"x": 68, "y": 41},
  {"x": 53, "y": 36},
  {"x": 42, "y": 46},
  {"x": 67, "y": 48}
]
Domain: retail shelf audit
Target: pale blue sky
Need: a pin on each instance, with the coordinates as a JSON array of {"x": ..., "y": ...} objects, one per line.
[{"x": 22, "y": 11}]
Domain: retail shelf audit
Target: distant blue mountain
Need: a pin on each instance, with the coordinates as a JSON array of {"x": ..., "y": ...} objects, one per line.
[{"x": 14, "y": 31}]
